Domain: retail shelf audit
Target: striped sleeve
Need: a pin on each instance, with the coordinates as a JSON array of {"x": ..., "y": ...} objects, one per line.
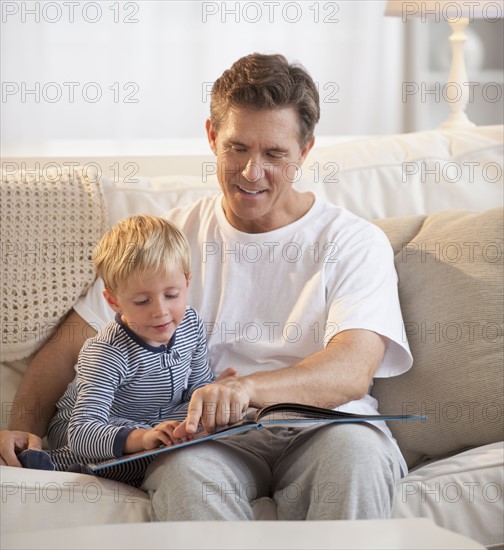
[{"x": 100, "y": 370}]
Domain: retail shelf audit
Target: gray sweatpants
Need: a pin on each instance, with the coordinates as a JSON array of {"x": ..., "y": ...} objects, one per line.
[{"x": 337, "y": 471}]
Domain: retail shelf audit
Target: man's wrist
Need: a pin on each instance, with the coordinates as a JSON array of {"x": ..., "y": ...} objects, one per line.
[{"x": 250, "y": 382}]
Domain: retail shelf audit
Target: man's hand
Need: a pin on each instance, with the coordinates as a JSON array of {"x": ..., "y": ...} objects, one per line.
[
  {"x": 218, "y": 404},
  {"x": 12, "y": 442},
  {"x": 228, "y": 372}
]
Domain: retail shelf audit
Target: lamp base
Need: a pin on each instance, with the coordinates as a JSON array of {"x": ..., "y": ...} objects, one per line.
[
  {"x": 457, "y": 120},
  {"x": 458, "y": 93}
]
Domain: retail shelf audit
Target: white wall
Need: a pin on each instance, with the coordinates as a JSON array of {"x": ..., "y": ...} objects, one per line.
[
  {"x": 167, "y": 57},
  {"x": 153, "y": 62}
]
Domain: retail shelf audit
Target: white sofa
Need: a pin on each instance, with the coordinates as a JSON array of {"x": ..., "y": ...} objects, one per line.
[{"x": 439, "y": 197}]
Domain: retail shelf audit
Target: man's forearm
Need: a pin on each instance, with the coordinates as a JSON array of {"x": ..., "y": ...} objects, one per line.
[
  {"x": 340, "y": 373},
  {"x": 47, "y": 377},
  {"x": 336, "y": 375},
  {"x": 43, "y": 384},
  {"x": 30, "y": 413}
]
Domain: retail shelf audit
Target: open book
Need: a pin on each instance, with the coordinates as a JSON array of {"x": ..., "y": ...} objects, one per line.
[{"x": 279, "y": 414}]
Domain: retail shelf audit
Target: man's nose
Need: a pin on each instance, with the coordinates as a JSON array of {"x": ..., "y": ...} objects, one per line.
[{"x": 253, "y": 171}]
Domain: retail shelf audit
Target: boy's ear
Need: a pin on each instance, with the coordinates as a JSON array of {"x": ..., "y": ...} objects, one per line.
[
  {"x": 188, "y": 279},
  {"x": 111, "y": 300}
]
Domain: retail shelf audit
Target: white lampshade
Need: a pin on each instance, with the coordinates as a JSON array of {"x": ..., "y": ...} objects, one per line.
[{"x": 445, "y": 9}]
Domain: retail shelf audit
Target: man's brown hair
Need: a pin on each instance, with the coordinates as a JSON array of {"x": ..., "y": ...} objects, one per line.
[{"x": 259, "y": 81}]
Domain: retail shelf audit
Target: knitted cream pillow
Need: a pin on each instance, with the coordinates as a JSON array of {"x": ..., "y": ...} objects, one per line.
[
  {"x": 452, "y": 298},
  {"x": 50, "y": 223}
]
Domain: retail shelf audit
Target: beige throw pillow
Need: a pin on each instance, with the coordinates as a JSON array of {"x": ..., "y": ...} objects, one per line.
[{"x": 451, "y": 292}]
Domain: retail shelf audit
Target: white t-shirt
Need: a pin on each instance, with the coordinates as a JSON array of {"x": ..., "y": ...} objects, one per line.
[{"x": 271, "y": 299}]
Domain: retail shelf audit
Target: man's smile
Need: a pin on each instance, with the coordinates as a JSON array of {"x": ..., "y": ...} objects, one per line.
[{"x": 251, "y": 192}]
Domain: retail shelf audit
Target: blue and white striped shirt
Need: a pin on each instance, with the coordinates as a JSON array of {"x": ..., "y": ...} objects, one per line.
[{"x": 122, "y": 383}]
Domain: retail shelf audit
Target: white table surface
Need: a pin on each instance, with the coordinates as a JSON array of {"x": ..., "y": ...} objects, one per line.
[{"x": 398, "y": 534}]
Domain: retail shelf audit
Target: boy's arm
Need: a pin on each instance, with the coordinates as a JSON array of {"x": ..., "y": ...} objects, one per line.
[
  {"x": 44, "y": 382},
  {"x": 101, "y": 369}
]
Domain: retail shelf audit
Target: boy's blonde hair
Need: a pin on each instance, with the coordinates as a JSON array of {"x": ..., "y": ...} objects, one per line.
[{"x": 140, "y": 244}]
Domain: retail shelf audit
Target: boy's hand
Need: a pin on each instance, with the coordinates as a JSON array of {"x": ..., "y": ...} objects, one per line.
[
  {"x": 144, "y": 440},
  {"x": 160, "y": 434}
]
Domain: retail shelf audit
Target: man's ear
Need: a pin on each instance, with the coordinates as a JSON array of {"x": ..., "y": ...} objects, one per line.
[
  {"x": 111, "y": 300},
  {"x": 211, "y": 135},
  {"x": 305, "y": 150}
]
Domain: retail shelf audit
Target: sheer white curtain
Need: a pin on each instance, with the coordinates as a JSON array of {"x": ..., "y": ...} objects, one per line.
[{"x": 143, "y": 70}]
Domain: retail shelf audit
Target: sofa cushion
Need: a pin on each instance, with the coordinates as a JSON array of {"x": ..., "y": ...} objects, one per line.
[
  {"x": 409, "y": 174},
  {"x": 451, "y": 292},
  {"x": 50, "y": 222},
  {"x": 38, "y": 499},
  {"x": 155, "y": 196},
  {"x": 462, "y": 493},
  {"x": 380, "y": 176},
  {"x": 401, "y": 230}
]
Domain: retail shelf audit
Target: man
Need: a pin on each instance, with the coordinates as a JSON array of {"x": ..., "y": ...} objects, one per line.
[{"x": 299, "y": 296}]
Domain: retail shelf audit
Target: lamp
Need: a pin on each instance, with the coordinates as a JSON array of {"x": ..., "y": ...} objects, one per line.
[{"x": 458, "y": 14}]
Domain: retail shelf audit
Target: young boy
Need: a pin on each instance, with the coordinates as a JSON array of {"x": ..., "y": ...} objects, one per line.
[{"x": 135, "y": 377}]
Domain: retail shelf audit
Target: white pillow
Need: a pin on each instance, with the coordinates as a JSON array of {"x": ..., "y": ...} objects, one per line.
[
  {"x": 462, "y": 493},
  {"x": 378, "y": 177},
  {"x": 409, "y": 174},
  {"x": 154, "y": 195}
]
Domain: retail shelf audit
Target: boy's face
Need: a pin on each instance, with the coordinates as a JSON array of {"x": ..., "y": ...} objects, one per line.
[{"x": 152, "y": 305}]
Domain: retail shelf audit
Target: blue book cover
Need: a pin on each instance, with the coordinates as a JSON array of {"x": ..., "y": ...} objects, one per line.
[{"x": 278, "y": 414}]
